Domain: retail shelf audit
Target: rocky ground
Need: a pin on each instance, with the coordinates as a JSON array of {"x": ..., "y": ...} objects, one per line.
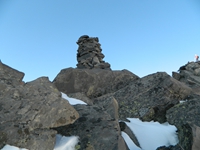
[{"x": 33, "y": 113}]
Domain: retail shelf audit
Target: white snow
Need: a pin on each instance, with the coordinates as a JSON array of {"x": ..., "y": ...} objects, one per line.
[
  {"x": 182, "y": 101},
  {"x": 73, "y": 101},
  {"x": 62, "y": 143},
  {"x": 152, "y": 135},
  {"x": 65, "y": 143},
  {"x": 9, "y": 147},
  {"x": 131, "y": 145}
]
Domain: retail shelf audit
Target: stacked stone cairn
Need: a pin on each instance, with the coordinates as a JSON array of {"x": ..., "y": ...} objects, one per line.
[{"x": 89, "y": 54}]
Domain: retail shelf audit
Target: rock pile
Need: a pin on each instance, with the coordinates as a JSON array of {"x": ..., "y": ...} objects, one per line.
[{"x": 89, "y": 54}]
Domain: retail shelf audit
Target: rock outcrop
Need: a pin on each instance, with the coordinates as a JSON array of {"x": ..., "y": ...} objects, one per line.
[
  {"x": 89, "y": 54},
  {"x": 97, "y": 127},
  {"x": 29, "y": 111},
  {"x": 190, "y": 75},
  {"x": 186, "y": 117},
  {"x": 148, "y": 98},
  {"x": 92, "y": 82}
]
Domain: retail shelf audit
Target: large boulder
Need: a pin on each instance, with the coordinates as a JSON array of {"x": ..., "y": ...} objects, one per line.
[
  {"x": 92, "y": 82},
  {"x": 148, "y": 98},
  {"x": 29, "y": 111},
  {"x": 186, "y": 117},
  {"x": 97, "y": 127}
]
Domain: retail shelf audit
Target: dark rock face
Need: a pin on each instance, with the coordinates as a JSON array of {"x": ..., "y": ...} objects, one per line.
[
  {"x": 177, "y": 147},
  {"x": 186, "y": 117},
  {"x": 28, "y": 111},
  {"x": 92, "y": 82},
  {"x": 148, "y": 98},
  {"x": 190, "y": 75},
  {"x": 97, "y": 127},
  {"x": 89, "y": 54}
]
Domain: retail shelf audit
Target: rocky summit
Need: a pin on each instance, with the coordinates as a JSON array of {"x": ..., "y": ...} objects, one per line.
[{"x": 33, "y": 113}]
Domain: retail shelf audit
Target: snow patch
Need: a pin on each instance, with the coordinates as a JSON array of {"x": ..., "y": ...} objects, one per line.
[
  {"x": 66, "y": 143},
  {"x": 182, "y": 101},
  {"x": 9, "y": 147},
  {"x": 131, "y": 145},
  {"x": 73, "y": 101},
  {"x": 152, "y": 135}
]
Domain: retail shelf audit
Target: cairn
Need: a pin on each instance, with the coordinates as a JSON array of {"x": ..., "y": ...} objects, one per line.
[{"x": 89, "y": 54}]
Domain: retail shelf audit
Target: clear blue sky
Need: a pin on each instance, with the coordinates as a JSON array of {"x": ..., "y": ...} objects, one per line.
[{"x": 38, "y": 37}]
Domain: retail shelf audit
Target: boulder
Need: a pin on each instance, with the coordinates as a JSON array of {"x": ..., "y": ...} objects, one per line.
[
  {"x": 148, "y": 98},
  {"x": 190, "y": 75},
  {"x": 29, "y": 111},
  {"x": 10, "y": 76},
  {"x": 186, "y": 117},
  {"x": 97, "y": 127},
  {"x": 92, "y": 82}
]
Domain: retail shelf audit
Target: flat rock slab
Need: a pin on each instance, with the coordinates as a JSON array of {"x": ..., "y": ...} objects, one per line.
[{"x": 92, "y": 82}]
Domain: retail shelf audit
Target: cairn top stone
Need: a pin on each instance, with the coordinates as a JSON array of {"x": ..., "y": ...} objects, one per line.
[{"x": 89, "y": 54}]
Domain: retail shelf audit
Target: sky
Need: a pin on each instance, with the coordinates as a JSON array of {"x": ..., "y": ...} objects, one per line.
[
  {"x": 163, "y": 134},
  {"x": 39, "y": 37}
]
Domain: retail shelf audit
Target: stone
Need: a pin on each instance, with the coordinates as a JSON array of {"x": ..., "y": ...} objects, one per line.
[
  {"x": 97, "y": 127},
  {"x": 92, "y": 82},
  {"x": 176, "y": 75},
  {"x": 90, "y": 54},
  {"x": 197, "y": 72},
  {"x": 176, "y": 147},
  {"x": 196, "y": 137},
  {"x": 29, "y": 111},
  {"x": 10, "y": 76},
  {"x": 192, "y": 66},
  {"x": 186, "y": 117},
  {"x": 149, "y": 98},
  {"x": 190, "y": 75}
]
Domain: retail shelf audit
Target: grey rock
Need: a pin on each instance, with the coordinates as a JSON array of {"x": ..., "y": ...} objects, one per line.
[
  {"x": 192, "y": 66},
  {"x": 186, "y": 117},
  {"x": 176, "y": 147},
  {"x": 90, "y": 50},
  {"x": 97, "y": 127},
  {"x": 29, "y": 111},
  {"x": 149, "y": 97},
  {"x": 92, "y": 82},
  {"x": 197, "y": 72},
  {"x": 190, "y": 75},
  {"x": 10, "y": 76}
]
